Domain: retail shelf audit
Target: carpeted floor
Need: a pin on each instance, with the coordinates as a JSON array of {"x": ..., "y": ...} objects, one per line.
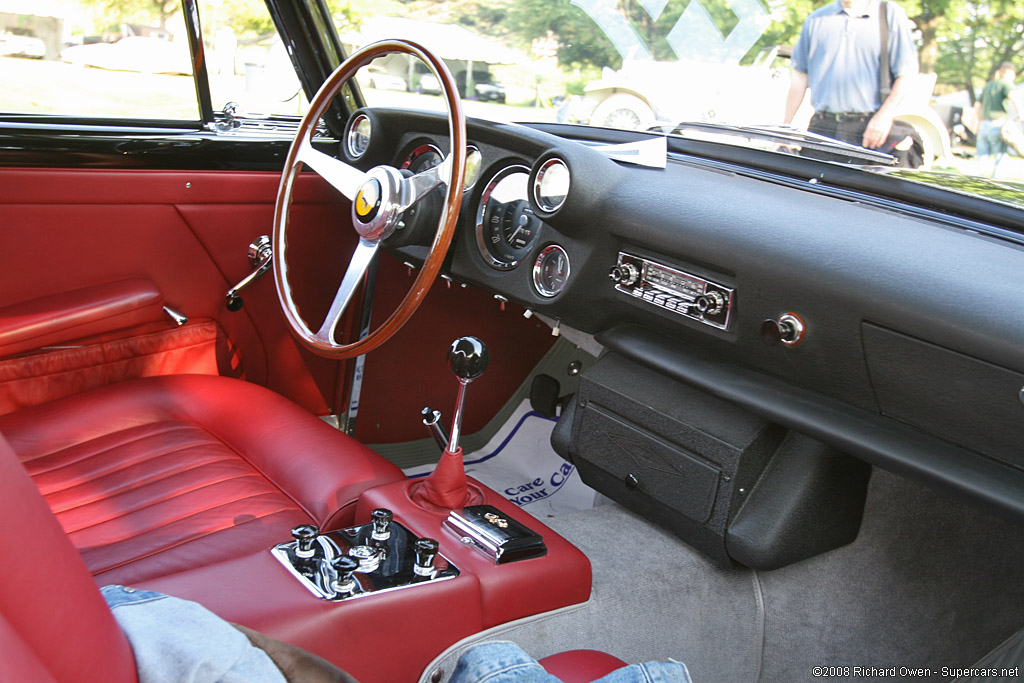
[{"x": 929, "y": 583}]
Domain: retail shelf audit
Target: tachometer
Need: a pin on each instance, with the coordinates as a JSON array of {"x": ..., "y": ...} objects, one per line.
[
  {"x": 506, "y": 226},
  {"x": 427, "y": 156}
]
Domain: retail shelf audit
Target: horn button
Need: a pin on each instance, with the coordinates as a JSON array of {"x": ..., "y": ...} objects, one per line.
[
  {"x": 375, "y": 209},
  {"x": 368, "y": 198}
]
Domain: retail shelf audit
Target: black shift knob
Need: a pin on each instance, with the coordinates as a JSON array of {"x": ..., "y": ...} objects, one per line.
[
  {"x": 425, "y": 550},
  {"x": 468, "y": 358},
  {"x": 305, "y": 535},
  {"x": 381, "y": 521}
]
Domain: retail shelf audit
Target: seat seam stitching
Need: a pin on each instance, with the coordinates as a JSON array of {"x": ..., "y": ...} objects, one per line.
[
  {"x": 162, "y": 524},
  {"x": 180, "y": 543}
]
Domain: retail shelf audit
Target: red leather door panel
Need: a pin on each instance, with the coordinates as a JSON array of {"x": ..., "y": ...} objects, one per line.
[{"x": 185, "y": 231}]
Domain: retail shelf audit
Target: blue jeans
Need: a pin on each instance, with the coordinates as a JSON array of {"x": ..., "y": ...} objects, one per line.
[
  {"x": 504, "y": 662},
  {"x": 990, "y": 139},
  {"x": 178, "y": 640}
]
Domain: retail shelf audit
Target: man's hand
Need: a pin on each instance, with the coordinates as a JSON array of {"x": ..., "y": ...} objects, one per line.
[{"x": 877, "y": 131}]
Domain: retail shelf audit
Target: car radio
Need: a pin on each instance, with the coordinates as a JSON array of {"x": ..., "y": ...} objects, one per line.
[{"x": 673, "y": 290}]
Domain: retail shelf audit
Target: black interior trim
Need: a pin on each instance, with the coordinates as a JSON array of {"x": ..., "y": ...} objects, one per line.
[{"x": 873, "y": 438}]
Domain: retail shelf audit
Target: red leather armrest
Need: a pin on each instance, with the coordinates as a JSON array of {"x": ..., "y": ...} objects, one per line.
[{"x": 72, "y": 315}]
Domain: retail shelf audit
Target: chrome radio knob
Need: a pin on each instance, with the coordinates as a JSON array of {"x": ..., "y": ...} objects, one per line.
[
  {"x": 624, "y": 274},
  {"x": 710, "y": 303}
]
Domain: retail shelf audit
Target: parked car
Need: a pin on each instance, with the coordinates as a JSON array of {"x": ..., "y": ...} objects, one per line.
[
  {"x": 644, "y": 93},
  {"x": 380, "y": 79},
  {"x": 793, "y": 386},
  {"x": 485, "y": 88}
]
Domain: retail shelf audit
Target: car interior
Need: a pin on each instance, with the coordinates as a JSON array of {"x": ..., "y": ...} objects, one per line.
[{"x": 796, "y": 390}]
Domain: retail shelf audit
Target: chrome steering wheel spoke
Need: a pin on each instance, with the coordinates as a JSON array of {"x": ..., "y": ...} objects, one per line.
[
  {"x": 414, "y": 188},
  {"x": 365, "y": 251},
  {"x": 344, "y": 178}
]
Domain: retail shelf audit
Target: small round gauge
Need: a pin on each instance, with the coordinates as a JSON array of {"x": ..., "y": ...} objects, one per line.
[
  {"x": 358, "y": 138},
  {"x": 427, "y": 156},
  {"x": 422, "y": 158},
  {"x": 506, "y": 226},
  {"x": 551, "y": 271},
  {"x": 551, "y": 185}
]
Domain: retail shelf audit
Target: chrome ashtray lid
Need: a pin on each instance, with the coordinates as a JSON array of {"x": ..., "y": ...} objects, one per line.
[{"x": 494, "y": 533}]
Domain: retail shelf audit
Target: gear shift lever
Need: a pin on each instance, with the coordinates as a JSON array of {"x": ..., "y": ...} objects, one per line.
[
  {"x": 468, "y": 358},
  {"x": 446, "y": 485}
]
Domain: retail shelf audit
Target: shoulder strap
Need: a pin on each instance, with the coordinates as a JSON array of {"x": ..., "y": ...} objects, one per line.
[{"x": 885, "y": 70}]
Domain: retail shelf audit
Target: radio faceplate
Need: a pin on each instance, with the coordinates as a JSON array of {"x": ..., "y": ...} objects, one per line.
[{"x": 674, "y": 290}]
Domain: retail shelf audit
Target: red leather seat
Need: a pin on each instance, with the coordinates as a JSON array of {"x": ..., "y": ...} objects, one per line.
[
  {"x": 154, "y": 476},
  {"x": 54, "y": 624}
]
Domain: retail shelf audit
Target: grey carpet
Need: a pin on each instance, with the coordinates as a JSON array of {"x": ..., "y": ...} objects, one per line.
[{"x": 928, "y": 583}]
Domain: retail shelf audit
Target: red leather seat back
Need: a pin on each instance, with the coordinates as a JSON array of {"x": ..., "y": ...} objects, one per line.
[{"x": 53, "y": 621}]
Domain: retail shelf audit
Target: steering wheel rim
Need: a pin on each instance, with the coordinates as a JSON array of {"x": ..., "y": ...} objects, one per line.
[{"x": 396, "y": 194}]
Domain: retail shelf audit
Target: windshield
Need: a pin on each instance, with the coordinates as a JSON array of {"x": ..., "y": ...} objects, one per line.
[{"x": 931, "y": 83}]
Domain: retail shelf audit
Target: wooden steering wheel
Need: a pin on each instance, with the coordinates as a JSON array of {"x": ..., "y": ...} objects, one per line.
[{"x": 379, "y": 197}]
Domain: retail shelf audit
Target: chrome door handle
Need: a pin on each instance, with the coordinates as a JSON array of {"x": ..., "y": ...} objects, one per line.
[{"x": 261, "y": 256}]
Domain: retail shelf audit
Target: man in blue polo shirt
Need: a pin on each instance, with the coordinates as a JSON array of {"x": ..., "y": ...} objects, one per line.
[{"x": 839, "y": 58}]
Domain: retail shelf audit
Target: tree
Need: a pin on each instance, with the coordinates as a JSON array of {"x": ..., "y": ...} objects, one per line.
[
  {"x": 973, "y": 45},
  {"x": 138, "y": 11}
]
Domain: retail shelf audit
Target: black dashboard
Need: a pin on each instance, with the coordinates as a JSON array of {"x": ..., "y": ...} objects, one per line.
[{"x": 891, "y": 332}]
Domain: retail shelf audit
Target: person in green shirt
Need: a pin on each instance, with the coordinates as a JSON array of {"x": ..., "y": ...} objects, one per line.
[{"x": 992, "y": 108}]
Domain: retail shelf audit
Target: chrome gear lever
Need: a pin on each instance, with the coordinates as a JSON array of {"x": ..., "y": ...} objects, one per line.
[{"x": 468, "y": 358}]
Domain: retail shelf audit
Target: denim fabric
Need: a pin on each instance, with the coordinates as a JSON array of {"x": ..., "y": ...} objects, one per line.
[
  {"x": 179, "y": 640},
  {"x": 504, "y": 662},
  {"x": 990, "y": 139}
]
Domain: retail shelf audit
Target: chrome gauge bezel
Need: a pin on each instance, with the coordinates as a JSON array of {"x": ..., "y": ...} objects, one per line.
[
  {"x": 425, "y": 147},
  {"x": 417, "y": 152},
  {"x": 543, "y": 171},
  {"x": 481, "y": 233},
  {"x": 351, "y": 145},
  {"x": 538, "y": 271}
]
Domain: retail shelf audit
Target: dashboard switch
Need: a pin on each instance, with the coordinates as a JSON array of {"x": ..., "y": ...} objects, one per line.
[{"x": 788, "y": 329}]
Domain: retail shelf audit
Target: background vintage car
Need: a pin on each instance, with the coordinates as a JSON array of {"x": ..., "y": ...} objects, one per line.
[{"x": 788, "y": 393}]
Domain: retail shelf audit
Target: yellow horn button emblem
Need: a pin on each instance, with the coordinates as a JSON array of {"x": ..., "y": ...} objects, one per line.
[{"x": 368, "y": 199}]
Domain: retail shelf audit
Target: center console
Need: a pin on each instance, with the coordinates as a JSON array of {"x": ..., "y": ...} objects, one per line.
[{"x": 428, "y": 563}]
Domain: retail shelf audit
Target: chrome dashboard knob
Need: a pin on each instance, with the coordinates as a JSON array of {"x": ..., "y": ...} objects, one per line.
[{"x": 788, "y": 329}]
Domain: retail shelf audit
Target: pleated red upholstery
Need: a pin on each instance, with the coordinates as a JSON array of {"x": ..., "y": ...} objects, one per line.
[{"x": 159, "y": 475}]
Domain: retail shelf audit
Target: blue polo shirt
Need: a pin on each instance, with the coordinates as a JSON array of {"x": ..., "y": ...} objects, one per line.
[{"x": 841, "y": 55}]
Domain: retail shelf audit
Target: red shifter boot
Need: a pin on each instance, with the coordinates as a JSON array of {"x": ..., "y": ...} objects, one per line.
[{"x": 445, "y": 487}]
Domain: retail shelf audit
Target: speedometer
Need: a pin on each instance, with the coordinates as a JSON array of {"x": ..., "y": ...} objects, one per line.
[{"x": 506, "y": 226}]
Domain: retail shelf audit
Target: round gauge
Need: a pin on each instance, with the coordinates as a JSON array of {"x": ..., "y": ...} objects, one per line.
[
  {"x": 474, "y": 162},
  {"x": 551, "y": 185},
  {"x": 551, "y": 271},
  {"x": 422, "y": 158},
  {"x": 506, "y": 226},
  {"x": 358, "y": 138},
  {"x": 427, "y": 156}
]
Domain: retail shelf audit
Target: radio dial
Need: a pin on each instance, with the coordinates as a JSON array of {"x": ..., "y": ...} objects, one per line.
[
  {"x": 710, "y": 303},
  {"x": 625, "y": 274}
]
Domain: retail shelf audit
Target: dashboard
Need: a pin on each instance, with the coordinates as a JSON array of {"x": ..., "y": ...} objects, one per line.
[{"x": 888, "y": 331}]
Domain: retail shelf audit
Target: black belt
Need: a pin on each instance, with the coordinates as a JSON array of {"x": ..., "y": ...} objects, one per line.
[{"x": 840, "y": 117}]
